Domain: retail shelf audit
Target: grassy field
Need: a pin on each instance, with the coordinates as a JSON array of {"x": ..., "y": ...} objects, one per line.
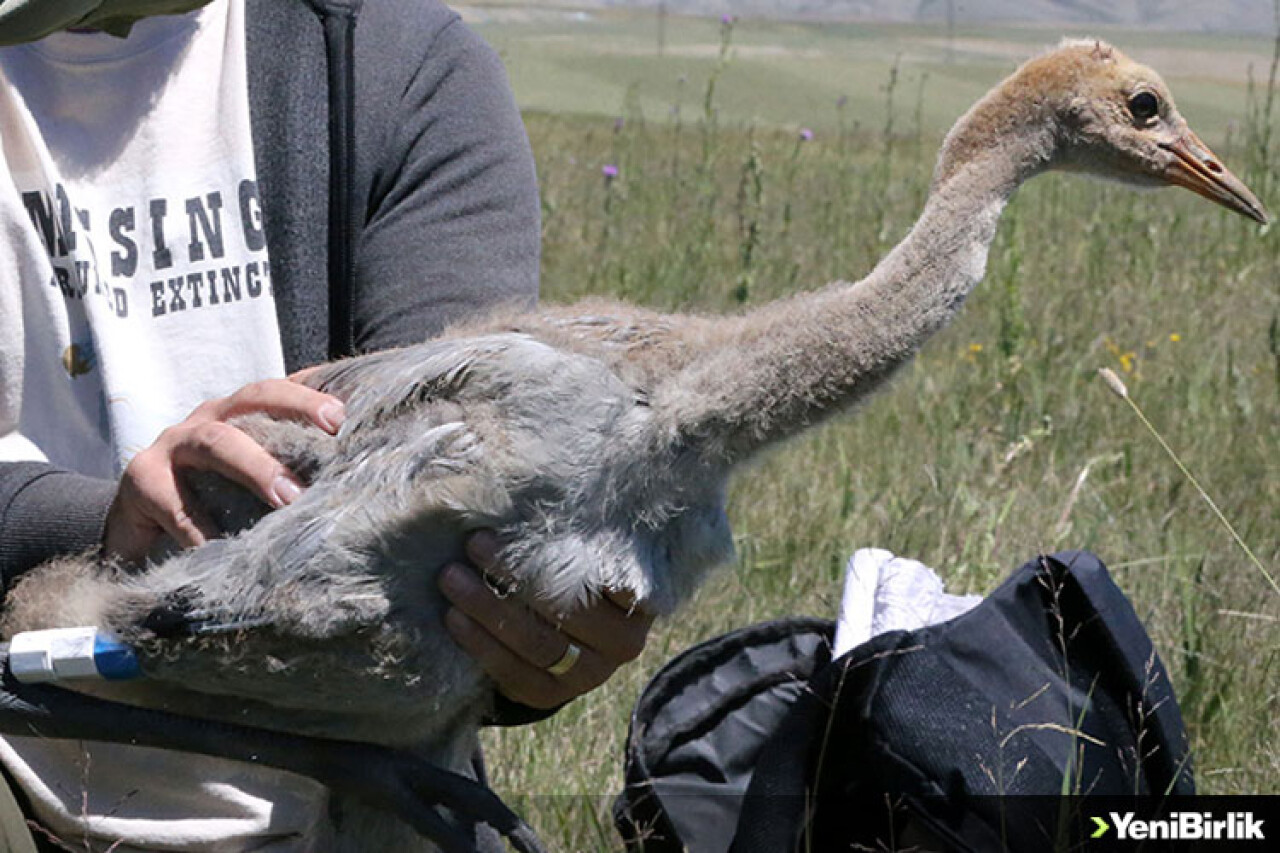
[
  {"x": 569, "y": 61},
  {"x": 971, "y": 460}
]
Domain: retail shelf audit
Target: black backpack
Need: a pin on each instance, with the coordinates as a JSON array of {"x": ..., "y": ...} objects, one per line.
[{"x": 964, "y": 735}]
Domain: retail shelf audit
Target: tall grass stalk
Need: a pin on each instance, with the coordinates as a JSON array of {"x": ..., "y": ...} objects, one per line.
[{"x": 1114, "y": 383}]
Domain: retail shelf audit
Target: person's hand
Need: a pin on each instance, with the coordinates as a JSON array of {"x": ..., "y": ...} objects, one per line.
[
  {"x": 519, "y": 647},
  {"x": 152, "y": 498}
]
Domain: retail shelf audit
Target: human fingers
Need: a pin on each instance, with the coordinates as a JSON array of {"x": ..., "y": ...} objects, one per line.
[
  {"x": 513, "y": 675},
  {"x": 150, "y": 501},
  {"x": 280, "y": 398},
  {"x": 482, "y": 549},
  {"x": 303, "y": 376},
  {"x": 205, "y": 442},
  {"x": 614, "y": 626},
  {"x": 616, "y": 632},
  {"x": 515, "y": 645},
  {"x": 221, "y": 448}
]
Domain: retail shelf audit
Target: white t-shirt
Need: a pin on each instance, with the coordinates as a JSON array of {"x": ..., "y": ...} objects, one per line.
[
  {"x": 136, "y": 285},
  {"x": 129, "y": 211}
]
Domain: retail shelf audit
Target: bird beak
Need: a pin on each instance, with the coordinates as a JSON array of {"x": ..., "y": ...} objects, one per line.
[{"x": 1197, "y": 169}]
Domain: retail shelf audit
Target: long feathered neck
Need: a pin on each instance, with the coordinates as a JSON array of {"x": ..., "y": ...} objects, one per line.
[{"x": 768, "y": 374}]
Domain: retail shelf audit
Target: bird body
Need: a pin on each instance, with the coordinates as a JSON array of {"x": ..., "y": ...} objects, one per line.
[{"x": 597, "y": 439}]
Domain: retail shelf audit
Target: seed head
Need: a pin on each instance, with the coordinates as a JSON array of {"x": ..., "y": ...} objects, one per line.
[{"x": 1113, "y": 382}]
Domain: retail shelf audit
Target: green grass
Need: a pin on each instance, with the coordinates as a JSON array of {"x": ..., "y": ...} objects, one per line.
[
  {"x": 791, "y": 74},
  {"x": 967, "y": 462}
]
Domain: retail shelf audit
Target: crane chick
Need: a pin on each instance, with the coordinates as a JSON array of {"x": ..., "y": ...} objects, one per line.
[{"x": 597, "y": 439}]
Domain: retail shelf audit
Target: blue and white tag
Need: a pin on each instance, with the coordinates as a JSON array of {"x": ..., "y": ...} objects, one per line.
[{"x": 66, "y": 654}]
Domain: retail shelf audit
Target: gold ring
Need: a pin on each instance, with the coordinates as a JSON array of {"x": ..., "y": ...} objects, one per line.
[{"x": 567, "y": 660}]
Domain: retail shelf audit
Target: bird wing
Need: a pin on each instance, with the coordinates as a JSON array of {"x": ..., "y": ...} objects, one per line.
[
  {"x": 615, "y": 331},
  {"x": 385, "y": 384}
]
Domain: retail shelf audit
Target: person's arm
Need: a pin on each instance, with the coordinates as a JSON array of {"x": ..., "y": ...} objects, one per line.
[
  {"x": 454, "y": 225},
  {"x": 47, "y": 512}
]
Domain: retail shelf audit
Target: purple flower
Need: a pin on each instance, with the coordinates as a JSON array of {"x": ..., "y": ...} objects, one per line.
[
  {"x": 610, "y": 172},
  {"x": 805, "y": 134},
  {"x": 726, "y": 19},
  {"x": 618, "y": 124}
]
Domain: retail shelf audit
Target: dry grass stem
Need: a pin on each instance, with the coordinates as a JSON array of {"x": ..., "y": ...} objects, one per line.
[{"x": 1118, "y": 387}]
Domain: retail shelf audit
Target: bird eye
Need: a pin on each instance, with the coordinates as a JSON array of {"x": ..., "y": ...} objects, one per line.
[{"x": 1144, "y": 106}]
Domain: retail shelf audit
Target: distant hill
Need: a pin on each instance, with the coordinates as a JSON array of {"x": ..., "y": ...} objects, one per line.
[{"x": 1253, "y": 16}]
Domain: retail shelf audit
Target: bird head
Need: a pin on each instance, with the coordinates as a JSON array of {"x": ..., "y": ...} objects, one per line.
[{"x": 1116, "y": 118}]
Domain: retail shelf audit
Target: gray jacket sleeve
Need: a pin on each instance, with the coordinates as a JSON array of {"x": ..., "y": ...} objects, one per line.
[
  {"x": 45, "y": 512},
  {"x": 453, "y": 227}
]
